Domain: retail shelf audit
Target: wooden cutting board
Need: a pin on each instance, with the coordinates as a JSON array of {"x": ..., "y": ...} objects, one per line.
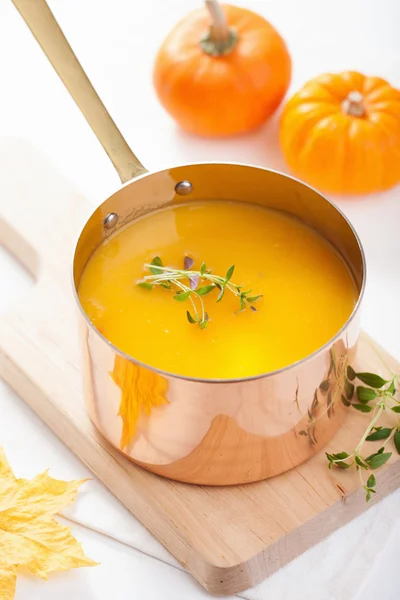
[{"x": 228, "y": 538}]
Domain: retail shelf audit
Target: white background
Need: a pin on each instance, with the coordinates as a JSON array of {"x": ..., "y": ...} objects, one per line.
[{"x": 116, "y": 41}]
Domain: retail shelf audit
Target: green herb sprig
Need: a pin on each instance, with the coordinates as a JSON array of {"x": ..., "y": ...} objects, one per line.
[
  {"x": 375, "y": 396},
  {"x": 191, "y": 285}
]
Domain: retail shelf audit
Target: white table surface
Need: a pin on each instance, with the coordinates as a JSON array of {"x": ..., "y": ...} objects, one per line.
[{"x": 116, "y": 41}]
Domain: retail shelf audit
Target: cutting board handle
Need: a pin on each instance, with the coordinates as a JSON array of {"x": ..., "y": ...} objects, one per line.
[
  {"x": 47, "y": 32},
  {"x": 41, "y": 214}
]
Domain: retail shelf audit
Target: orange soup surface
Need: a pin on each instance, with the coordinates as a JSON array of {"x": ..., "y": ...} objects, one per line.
[{"x": 308, "y": 291}]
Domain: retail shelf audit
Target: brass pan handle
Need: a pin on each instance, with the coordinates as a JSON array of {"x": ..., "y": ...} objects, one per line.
[{"x": 47, "y": 32}]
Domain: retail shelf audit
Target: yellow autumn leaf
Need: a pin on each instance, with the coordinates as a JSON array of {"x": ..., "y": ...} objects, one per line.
[
  {"x": 29, "y": 535},
  {"x": 8, "y": 580}
]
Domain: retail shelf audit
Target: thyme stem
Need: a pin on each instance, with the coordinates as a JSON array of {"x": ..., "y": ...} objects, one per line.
[
  {"x": 173, "y": 280},
  {"x": 383, "y": 393}
]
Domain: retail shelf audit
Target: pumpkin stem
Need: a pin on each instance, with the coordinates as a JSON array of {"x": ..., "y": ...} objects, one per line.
[
  {"x": 353, "y": 105},
  {"x": 220, "y": 39}
]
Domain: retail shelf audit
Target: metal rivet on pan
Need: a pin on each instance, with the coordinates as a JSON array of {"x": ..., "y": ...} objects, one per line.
[
  {"x": 111, "y": 220},
  {"x": 183, "y": 188}
]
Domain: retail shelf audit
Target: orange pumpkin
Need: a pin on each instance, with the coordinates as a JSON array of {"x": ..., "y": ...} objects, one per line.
[
  {"x": 222, "y": 71},
  {"x": 341, "y": 133}
]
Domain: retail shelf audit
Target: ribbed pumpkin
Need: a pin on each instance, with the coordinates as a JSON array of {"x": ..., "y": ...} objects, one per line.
[
  {"x": 341, "y": 133},
  {"x": 222, "y": 70}
]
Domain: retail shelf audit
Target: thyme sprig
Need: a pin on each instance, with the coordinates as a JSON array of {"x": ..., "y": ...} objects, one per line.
[
  {"x": 192, "y": 285},
  {"x": 375, "y": 397}
]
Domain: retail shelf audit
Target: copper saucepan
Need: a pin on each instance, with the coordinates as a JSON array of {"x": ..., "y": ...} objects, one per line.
[{"x": 202, "y": 431}]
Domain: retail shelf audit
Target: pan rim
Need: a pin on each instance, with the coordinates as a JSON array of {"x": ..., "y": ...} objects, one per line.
[{"x": 234, "y": 380}]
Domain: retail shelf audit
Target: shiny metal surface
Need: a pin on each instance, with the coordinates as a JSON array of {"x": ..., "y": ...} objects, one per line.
[
  {"x": 208, "y": 431},
  {"x": 183, "y": 188},
  {"x": 110, "y": 221}
]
